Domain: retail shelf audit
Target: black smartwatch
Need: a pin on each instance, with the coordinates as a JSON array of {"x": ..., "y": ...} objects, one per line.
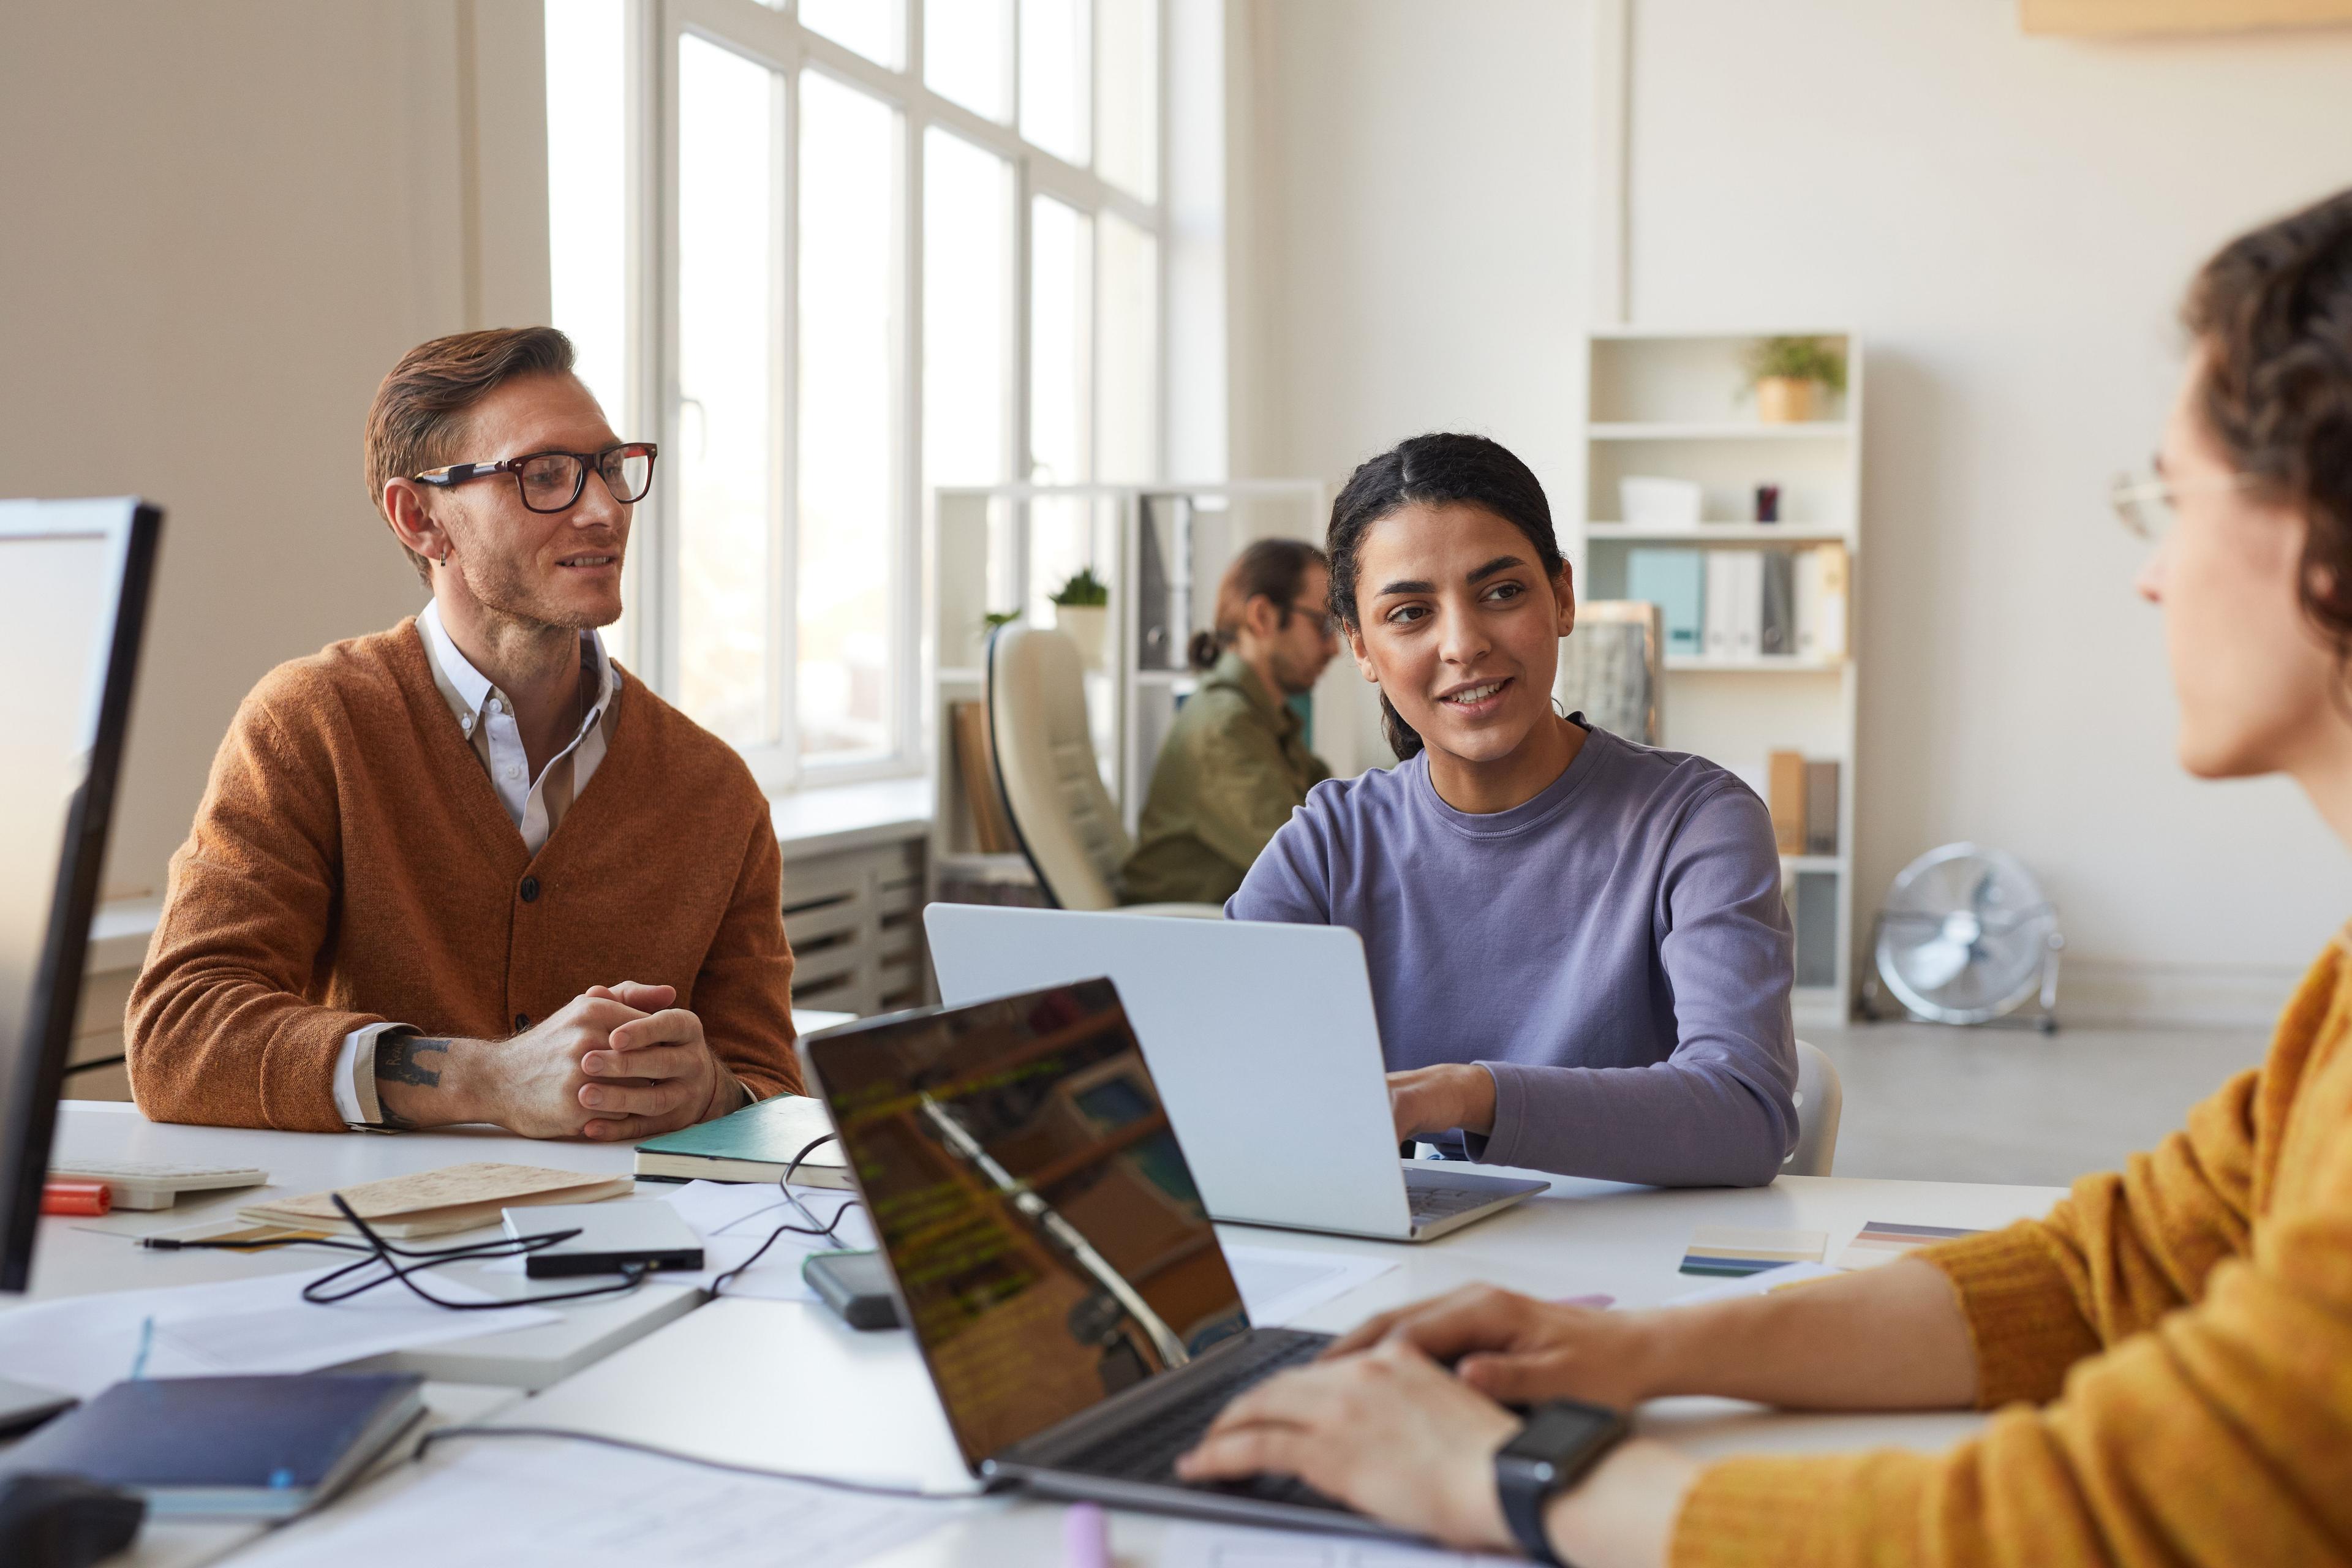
[{"x": 1560, "y": 1441}]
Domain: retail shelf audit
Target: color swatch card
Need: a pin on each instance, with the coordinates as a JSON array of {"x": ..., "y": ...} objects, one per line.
[
  {"x": 1884, "y": 1241},
  {"x": 1737, "y": 1250}
]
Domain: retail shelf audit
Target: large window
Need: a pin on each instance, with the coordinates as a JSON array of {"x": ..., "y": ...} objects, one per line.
[{"x": 832, "y": 253}]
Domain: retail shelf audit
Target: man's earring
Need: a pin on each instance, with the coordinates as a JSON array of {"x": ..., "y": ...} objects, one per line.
[{"x": 444, "y": 555}]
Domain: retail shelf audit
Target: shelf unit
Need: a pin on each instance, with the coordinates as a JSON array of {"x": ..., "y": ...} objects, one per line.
[
  {"x": 1667, "y": 402},
  {"x": 1007, "y": 547}
]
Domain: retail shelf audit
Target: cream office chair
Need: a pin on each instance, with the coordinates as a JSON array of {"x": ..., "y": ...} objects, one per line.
[
  {"x": 1820, "y": 1102},
  {"x": 1063, "y": 817}
]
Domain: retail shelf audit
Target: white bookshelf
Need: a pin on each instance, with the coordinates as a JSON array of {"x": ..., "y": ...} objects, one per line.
[
  {"x": 1008, "y": 547},
  {"x": 1670, "y": 404}
]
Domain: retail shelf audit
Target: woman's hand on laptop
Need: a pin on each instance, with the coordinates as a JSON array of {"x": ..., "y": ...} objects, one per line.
[
  {"x": 1387, "y": 1431},
  {"x": 1391, "y": 1434},
  {"x": 1519, "y": 1349},
  {"x": 1442, "y": 1098}
]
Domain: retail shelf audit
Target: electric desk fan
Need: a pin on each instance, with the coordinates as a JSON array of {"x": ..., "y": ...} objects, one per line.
[{"x": 1965, "y": 937}]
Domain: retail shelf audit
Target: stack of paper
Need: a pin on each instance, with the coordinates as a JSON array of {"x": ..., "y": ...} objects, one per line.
[
  {"x": 1734, "y": 1250},
  {"x": 1884, "y": 1241},
  {"x": 431, "y": 1203},
  {"x": 1761, "y": 1283}
]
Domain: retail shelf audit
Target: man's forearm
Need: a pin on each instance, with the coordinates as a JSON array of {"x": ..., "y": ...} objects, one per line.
[
  {"x": 420, "y": 1081},
  {"x": 1891, "y": 1338}
]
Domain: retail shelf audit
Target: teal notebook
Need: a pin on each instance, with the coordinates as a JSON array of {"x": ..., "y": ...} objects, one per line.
[{"x": 754, "y": 1144}]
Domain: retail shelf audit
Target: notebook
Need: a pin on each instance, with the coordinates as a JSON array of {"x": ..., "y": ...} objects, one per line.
[
  {"x": 431, "y": 1203},
  {"x": 754, "y": 1144},
  {"x": 227, "y": 1447}
]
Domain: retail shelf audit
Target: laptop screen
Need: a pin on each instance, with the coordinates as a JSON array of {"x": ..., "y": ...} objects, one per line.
[{"x": 1047, "y": 1239}]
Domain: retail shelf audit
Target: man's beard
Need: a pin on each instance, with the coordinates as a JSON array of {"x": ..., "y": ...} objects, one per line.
[{"x": 499, "y": 585}]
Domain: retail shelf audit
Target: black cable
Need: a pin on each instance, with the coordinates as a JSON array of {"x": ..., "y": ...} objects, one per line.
[
  {"x": 865, "y": 1489},
  {"x": 379, "y": 1252},
  {"x": 784, "y": 1184}
]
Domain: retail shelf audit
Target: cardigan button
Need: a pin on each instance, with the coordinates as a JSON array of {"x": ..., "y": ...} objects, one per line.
[
  {"x": 531, "y": 889},
  {"x": 522, "y": 1022}
]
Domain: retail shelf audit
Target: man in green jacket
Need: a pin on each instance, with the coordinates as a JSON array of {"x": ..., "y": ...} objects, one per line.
[{"x": 1235, "y": 765}]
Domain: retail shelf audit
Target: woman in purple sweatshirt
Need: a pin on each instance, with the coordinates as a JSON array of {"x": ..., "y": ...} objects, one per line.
[{"x": 1579, "y": 956}]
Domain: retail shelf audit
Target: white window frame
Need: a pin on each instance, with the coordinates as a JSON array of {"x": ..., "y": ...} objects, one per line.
[{"x": 775, "y": 37}]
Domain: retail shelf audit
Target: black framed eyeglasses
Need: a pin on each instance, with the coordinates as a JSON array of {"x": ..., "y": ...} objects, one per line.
[{"x": 552, "y": 481}]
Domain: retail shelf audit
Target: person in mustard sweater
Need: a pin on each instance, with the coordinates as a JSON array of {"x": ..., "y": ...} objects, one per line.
[
  {"x": 465, "y": 871},
  {"x": 2168, "y": 1352}
]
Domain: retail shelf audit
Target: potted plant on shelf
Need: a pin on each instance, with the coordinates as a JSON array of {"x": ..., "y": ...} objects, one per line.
[
  {"x": 1082, "y": 608},
  {"x": 1784, "y": 372}
]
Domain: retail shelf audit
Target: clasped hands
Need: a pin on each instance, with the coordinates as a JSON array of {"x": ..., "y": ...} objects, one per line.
[
  {"x": 615, "y": 1064},
  {"x": 1381, "y": 1423}
]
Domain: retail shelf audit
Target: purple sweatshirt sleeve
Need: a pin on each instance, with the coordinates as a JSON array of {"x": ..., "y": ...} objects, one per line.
[{"x": 1720, "y": 1110}]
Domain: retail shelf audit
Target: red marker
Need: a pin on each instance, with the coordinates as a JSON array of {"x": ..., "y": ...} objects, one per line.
[{"x": 76, "y": 1198}]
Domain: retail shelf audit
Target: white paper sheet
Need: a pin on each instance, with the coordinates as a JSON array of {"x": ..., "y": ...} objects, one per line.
[
  {"x": 1191, "y": 1546},
  {"x": 83, "y": 1344},
  {"x": 1281, "y": 1284},
  {"x": 497, "y": 1502}
]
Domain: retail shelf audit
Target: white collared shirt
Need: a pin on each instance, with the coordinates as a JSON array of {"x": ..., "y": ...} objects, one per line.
[{"x": 485, "y": 715}]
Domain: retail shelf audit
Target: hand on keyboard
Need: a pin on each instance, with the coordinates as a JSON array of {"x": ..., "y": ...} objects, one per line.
[{"x": 1387, "y": 1432}]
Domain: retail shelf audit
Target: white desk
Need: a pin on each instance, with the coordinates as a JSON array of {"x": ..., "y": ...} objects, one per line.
[
  {"x": 784, "y": 1386},
  {"x": 81, "y": 1256}
]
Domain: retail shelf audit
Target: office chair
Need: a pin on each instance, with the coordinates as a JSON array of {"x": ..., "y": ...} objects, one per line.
[
  {"x": 1043, "y": 754},
  {"x": 1820, "y": 1102}
]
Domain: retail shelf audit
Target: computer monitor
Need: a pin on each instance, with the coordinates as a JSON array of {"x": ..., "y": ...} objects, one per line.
[{"x": 74, "y": 579}]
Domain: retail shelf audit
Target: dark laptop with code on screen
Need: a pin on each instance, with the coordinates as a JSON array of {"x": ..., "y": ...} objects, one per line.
[{"x": 1047, "y": 1243}]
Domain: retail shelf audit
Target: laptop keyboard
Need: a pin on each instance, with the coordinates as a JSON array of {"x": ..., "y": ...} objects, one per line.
[
  {"x": 1148, "y": 1450},
  {"x": 1434, "y": 1201}
]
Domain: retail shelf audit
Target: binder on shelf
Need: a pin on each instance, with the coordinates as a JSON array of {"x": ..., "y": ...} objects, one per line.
[
  {"x": 1777, "y": 630},
  {"x": 1746, "y": 602},
  {"x": 1822, "y": 574},
  {"x": 1785, "y": 773},
  {"x": 1822, "y": 808},
  {"x": 1722, "y": 588},
  {"x": 1674, "y": 580}
]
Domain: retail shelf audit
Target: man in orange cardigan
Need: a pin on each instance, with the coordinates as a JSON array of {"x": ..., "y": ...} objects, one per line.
[{"x": 465, "y": 871}]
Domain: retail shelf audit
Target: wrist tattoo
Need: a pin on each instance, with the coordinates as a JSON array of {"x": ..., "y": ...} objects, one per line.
[{"x": 411, "y": 1058}]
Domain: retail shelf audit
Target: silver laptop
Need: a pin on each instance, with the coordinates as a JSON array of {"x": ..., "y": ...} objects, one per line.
[
  {"x": 1263, "y": 1041},
  {"x": 1046, "y": 1242}
]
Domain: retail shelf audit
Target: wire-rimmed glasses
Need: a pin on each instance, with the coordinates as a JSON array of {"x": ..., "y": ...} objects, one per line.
[
  {"x": 552, "y": 481},
  {"x": 2145, "y": 502}
]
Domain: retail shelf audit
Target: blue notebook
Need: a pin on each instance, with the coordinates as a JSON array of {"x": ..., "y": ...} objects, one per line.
[{"x": 227, "y": 1447}]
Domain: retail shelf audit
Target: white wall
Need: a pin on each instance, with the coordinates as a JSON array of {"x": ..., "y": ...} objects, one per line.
[
  {"x": 1407, "y": 210},
  {"x": 2010, "y": 220},
  {"x": 224, "y": 222}
]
